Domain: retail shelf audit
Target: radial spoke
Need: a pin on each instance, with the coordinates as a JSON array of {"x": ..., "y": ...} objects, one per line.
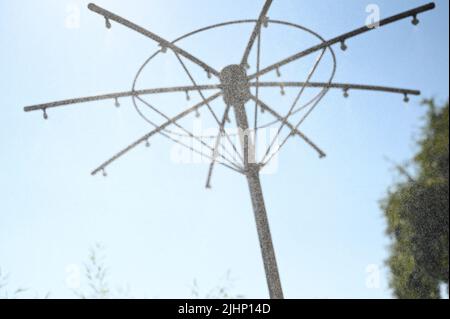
[
  {"x": 299, "y": 95},
  {"x": 322, "y": 94},
  {"x": 189, "y": 134},
  {"x": 162, "y": 42},
  {"x": 167, "y": 134},
  {"x": 208, "y": 106},
  {"x": 232, "y": 167},
  {"x": 258, "y": 66},
  {"x": 344, "y": 37},
  {"x": 294, "y": 130},
  {"x": 112, "y": 96},
  {"x": 256, "y": 31},
  {"x": 147, "y": 136},
  {"x": 343, "y": 86},
  {"x": 216, "y": 146}
]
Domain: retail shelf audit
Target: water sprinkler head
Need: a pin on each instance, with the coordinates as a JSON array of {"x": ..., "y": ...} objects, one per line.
[{"x": 107, "y": 23}]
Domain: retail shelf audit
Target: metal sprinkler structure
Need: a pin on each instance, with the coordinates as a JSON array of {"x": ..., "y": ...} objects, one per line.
[{"x": 238, "y": 90}]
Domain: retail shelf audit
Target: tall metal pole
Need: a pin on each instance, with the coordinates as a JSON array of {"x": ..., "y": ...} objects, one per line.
[
  {"x": 236, "y": 93},
  {"x": 259, "y": 208}
]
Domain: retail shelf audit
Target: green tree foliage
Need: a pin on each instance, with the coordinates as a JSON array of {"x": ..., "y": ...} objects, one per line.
[{"x": 417, "y": 214}]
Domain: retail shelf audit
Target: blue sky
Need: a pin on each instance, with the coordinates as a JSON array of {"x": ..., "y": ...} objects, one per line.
[{"x": 162, "y": 229}]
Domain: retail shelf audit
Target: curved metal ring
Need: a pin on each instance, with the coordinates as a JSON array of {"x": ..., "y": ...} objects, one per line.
[{"x": 219, "y": 25}]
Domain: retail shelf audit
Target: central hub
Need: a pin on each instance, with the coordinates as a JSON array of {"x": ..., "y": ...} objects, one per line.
[{"x": 235, "y": 85}]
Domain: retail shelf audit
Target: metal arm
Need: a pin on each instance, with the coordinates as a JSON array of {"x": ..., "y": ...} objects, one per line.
[
  {"x": 145, "y": 138},
  {"x": 256, "y": 31},
  {"x": 341, "y": 39},
  {"x": 162, "y": 42},
  {"x": 118, "y": 95},
  {"x": 344, "y": 86},
  {"x": 265, "y": 107}
]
